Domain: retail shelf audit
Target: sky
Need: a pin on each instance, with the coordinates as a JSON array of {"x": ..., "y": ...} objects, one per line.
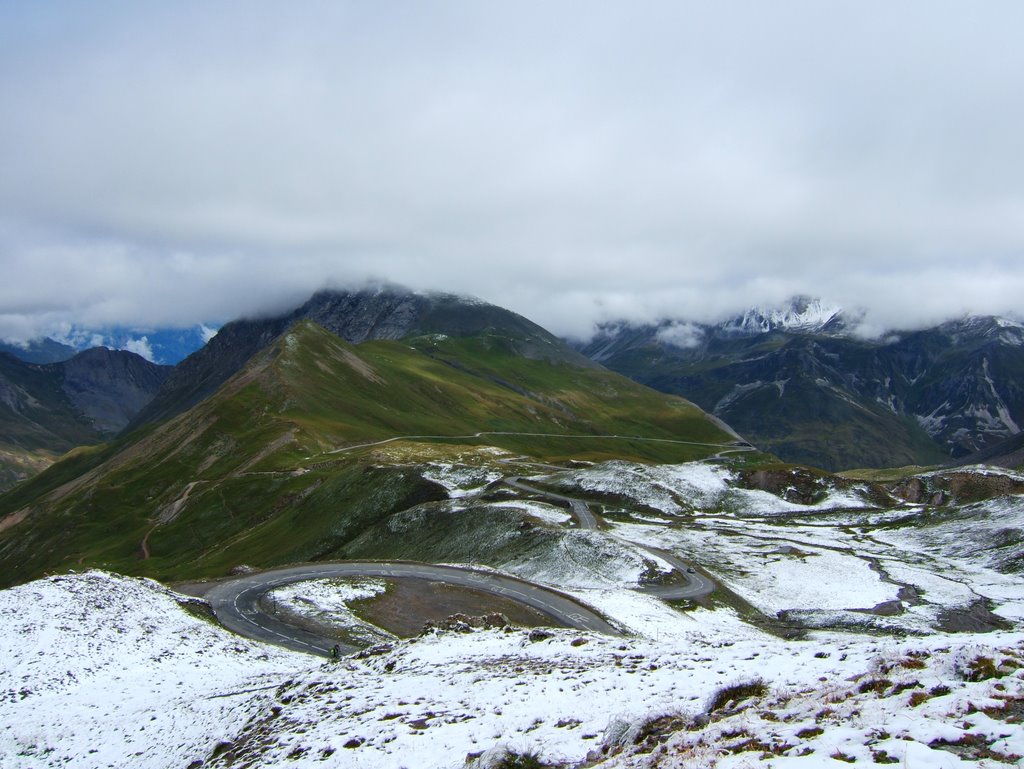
[{"x": 168, "y": 164}]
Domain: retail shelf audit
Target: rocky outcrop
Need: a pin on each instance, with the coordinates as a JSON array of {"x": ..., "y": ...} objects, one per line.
[{"x": 956, "y": 486}]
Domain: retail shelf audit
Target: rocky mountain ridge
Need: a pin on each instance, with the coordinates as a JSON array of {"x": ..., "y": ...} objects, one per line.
[
  {"x": 39, "y": 351},
  {"x": 355, "y": 316},
  {"x": 799, "y": 383}
]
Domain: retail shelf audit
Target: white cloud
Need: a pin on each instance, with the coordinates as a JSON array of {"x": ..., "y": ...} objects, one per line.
[
  {"x": 681, "y": 334},
  {"x": 141, "y": 347},
  {"x": 186, "y": 163}
]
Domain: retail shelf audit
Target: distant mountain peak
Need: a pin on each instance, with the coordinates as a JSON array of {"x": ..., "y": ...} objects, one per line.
[
  {"x": 989, "y": 327},
  {"x": 801, "y": 313}
]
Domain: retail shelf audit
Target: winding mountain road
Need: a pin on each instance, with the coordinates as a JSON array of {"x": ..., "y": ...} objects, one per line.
[
  {"x": 576, "y": 436},
  {"x": 237, "y": 603},
  {"x": 584, "y": 517}
]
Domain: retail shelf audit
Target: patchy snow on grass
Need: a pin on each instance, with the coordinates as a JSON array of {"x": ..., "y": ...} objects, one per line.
[
  {"x": 909, "y": 704},
  {"x": 326, "y": 601},
  {"x": 459, "y": 480},
  {"x": 542, "y": 512},
  {"x": 938, "y": 589},
  {"x": 772, "y": 574},
  {"x": 695, "y": 487},
  {"x": 996, "y": 529},
  {"x": 582, "y": 559},
  {"x": 326, "y": 595},
  {"x": 929, "y": 551},
  {"x": 989, "y": 470},
  {"x": 102, "y": 671}
]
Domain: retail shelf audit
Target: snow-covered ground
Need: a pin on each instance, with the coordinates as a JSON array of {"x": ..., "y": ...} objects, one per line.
[
  {"x": 98, "y": 670},
  {"x": 839, "y": 562},
  {"x": 695, "y": 487},
  {"x": 105, "y": 671},
  {"x": 459, "y": 480},
  {"x": 326, "y": 602}
]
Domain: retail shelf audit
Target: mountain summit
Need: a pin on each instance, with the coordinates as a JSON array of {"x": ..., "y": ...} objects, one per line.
[
  {"x": 355, "y": 316},
  {"x": 803, "y": 314}
]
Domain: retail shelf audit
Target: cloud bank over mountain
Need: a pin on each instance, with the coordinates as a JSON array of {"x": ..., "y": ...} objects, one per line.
[{"x": 186, "y": 163}]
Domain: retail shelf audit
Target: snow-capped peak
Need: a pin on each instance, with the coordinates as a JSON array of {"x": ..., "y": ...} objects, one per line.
[{"x": 801, "y": 313}]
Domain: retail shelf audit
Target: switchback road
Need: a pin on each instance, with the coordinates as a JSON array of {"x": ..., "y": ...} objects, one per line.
[
  {"x": 238, "y": 607},
  {"x": 237, "y": 603}
]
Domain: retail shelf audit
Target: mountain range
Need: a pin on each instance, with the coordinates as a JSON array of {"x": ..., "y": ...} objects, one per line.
[
  {"x": 799, "y": 382},
  {"x": 431, "y": 472},
  {"x": 259, "y": 447}
]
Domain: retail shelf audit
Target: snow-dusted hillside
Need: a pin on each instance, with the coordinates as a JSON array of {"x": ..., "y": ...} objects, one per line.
[
  {"x": 104, "y": 671},
  {"x": 98, "y": 670}
]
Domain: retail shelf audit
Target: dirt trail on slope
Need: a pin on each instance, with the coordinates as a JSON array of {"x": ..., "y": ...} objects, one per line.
[{"x": 167, "y": 515}]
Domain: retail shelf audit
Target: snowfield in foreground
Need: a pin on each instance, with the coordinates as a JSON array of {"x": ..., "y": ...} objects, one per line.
[{"x": 98, "y": 670}]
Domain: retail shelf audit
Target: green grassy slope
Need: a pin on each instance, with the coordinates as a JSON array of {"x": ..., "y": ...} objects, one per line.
[
  {"x": 247, "y": 476},
  {"x": 808, "y": 399}
]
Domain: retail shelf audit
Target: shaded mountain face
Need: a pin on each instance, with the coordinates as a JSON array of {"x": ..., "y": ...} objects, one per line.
[
  {"x": 356, "y": 317},
  {"x": 48, "y": 409},
  {"x": 798, "y": 384},
  {"x": 253, "y": 474},
  {"x": 109, "y": 387},
  {"x": 39, "y": 351}
]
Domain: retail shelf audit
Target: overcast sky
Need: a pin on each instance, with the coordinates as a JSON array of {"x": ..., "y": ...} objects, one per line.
[{"x": 176, "y": 163}]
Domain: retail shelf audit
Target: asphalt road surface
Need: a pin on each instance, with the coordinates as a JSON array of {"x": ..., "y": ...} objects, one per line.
[
  {"x": 584, "y": 517},
  {"x": 237, "y": 603}
]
